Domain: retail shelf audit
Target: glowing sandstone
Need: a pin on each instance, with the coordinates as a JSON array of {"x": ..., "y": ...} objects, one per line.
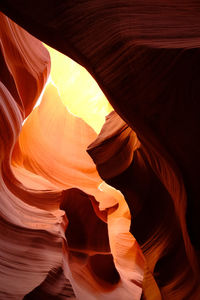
[
  {"x": 145, "y": 56},
  {"x": 42, "y": 168},
  {"x": 78, "y": 90}
]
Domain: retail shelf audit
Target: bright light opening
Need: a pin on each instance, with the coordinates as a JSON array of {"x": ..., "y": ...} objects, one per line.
[{"x": 78, "y": 90}]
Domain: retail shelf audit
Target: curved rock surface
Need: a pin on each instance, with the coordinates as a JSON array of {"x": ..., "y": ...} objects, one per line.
[
  {"x": 56, "y": 242},
  {"x": 145, "y": 56}
]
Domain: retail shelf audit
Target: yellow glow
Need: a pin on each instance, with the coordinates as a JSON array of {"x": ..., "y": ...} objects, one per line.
[{"x": 78, "y": 90}]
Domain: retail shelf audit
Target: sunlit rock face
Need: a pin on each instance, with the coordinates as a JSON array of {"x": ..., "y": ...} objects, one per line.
[
  {"x": 60, "y": 233},
  {"x": 78, "y": 90},
  {"x": 92, "y": 212}
]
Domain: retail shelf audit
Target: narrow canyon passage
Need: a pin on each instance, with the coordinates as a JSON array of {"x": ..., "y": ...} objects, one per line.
[{"x": 99, "y": 150}]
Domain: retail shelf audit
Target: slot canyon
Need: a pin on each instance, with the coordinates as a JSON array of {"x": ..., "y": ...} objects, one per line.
[{"x": 99, "y": 150}]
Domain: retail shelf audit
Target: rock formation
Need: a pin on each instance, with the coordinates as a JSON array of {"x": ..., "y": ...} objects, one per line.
[{"x": 113, "y": 215}]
